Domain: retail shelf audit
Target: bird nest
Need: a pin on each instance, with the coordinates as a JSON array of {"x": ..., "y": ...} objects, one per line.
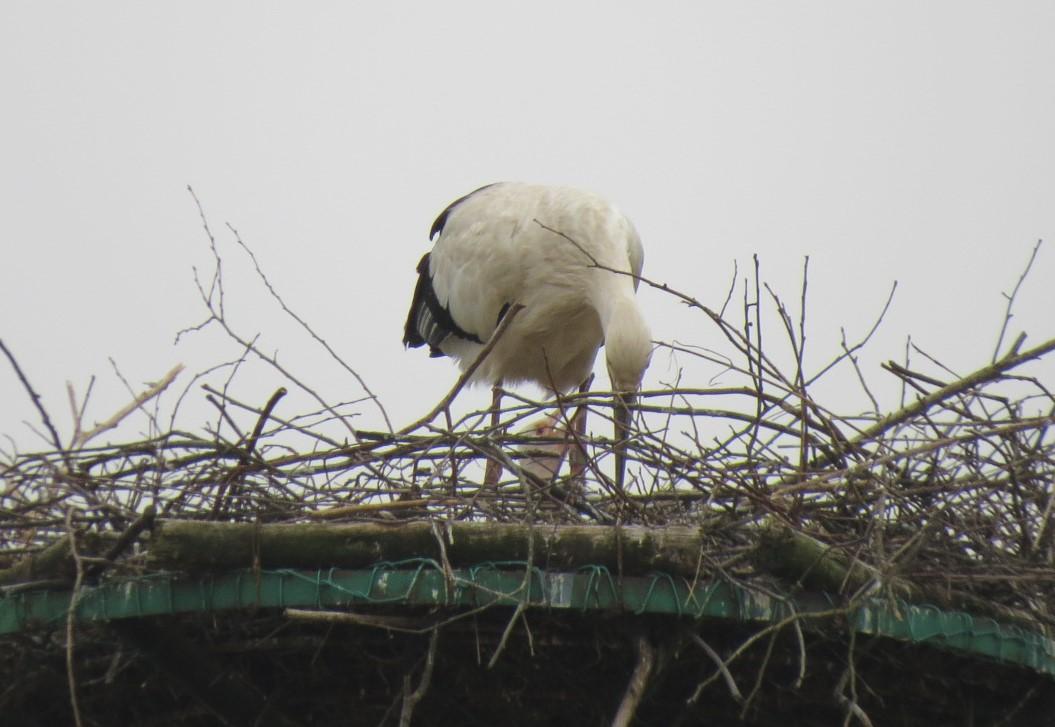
[{"x": 946, "y": 500}]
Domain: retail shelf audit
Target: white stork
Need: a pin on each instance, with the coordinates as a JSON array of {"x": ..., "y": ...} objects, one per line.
[{"x": 570, "y": 258}]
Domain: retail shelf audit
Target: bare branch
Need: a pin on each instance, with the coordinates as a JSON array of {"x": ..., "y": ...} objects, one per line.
[
  {"x": 635, "y": 689},
  {"x": 55, "y": 440},
  {"x": 137, "y": 403},
  {"x": 1011, "y": 302}
]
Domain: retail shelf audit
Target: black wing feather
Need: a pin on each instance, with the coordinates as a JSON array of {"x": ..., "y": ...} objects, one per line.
[{"x": 430, "y": 322}]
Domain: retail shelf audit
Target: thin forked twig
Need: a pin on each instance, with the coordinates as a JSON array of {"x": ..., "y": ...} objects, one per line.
[{"x": 55, "y": 440}]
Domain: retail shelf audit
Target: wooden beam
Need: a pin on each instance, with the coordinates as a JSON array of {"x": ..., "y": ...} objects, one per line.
[{"x": 194, "y": 545}]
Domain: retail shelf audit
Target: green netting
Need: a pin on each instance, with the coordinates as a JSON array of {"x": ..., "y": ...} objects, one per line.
[{"x": 423, "y": 582}]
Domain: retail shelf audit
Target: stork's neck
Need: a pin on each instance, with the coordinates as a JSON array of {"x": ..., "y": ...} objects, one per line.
[{"x": 628, "y": 340}]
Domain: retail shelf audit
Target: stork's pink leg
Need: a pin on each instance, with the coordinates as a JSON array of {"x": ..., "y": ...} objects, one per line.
[
  {"x": 493, "y": 470},
  {"x": 577, "y": 455},
  {"x": 543, "y": 459}
]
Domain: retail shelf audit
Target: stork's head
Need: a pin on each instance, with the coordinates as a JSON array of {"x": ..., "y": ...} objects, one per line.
[{"x": 628, "y": 346}]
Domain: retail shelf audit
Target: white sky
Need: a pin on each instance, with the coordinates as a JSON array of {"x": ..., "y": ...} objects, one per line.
[{"x": 898, "y": 140}]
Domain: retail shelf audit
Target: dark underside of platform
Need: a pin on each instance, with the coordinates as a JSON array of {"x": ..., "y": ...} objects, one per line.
[{"x": 556, "y": 669}]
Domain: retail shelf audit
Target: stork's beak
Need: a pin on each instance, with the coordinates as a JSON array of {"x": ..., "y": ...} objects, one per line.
[{"x": 623, "y": 402}]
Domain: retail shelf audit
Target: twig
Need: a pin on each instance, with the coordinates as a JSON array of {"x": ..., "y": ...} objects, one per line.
[
  {"x": 250, "y": 444},
  {"x": 853, "y": 709},
  {"x": 77, "y": 412},
  {"x": 216, "y": 286},
  {"x": 143, "y": 522},
  {"x": 136, "y": 403},
  {"x": 369, "y": 507},
  {"x": 635, "y": 689},
  {"x": 303, "y": 324},
  {"x": 518, "y": 613},
  {"x": 507, "y": 321},
  {"x": 759, "y": 675},
  {"x": 987, "y": 373},
  {"x": 55, "y": 440},
  {"x": 1011, "y": 302},
  {"x": 730, "y": 683},
  {"x": 217, "y": 315},
  {"x": 71, "y": 620},
  {"x": 411, "y": 698},
  {"x": 760, "y": 634},
  {"x": 402, "y": 624}
]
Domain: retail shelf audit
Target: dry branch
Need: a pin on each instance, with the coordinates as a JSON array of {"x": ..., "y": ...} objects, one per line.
[
  {"x": 635, "y": 690},
  {"x": 801, "y": 559},
  {"x": 33, "y": 395},
  {"x": 975, "y": 379},
  {"x": 137, "y": 403}
]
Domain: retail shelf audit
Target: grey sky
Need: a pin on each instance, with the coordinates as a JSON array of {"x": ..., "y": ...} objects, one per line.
[{"x": 896, "y": 140}]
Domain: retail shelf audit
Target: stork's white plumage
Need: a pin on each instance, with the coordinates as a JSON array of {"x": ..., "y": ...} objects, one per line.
[{"x": 554, "y": 250}]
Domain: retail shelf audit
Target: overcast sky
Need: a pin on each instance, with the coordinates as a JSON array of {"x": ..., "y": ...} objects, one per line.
[{"x": 908, "y": 141}]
